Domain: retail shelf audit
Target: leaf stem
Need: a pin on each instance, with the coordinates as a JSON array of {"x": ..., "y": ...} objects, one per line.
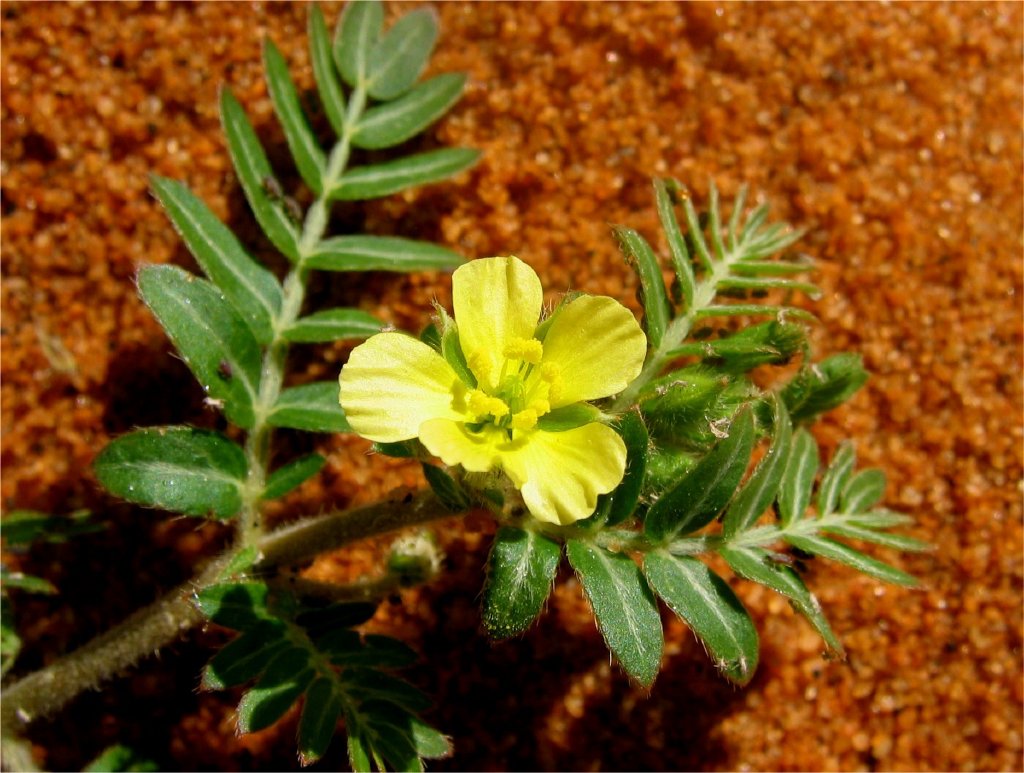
[{"x": 258, "y": 442}]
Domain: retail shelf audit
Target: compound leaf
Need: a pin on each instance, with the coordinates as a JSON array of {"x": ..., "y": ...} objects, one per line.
[
  {"x": 306, "y": 151},
  {"x": 655, "y": 300}
]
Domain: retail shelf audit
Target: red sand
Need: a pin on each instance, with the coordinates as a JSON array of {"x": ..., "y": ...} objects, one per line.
[{"x": 892, "y": 132}]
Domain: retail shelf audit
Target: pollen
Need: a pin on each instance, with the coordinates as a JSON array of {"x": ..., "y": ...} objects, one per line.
[
  {"x": 483, "y": 404},
  {"x": 526, "y": 349},
  {"x": 550, "y": 371},
  {"x": 540, "y": 405},
  {"x": 480, "y": 364},
  {"x": 526, "y": 419}
]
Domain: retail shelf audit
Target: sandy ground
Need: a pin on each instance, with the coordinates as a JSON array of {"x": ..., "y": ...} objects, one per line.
[{"x": 892, "y": 132}]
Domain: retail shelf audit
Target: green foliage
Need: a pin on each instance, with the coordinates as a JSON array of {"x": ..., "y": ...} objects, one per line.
[
  {"x": 626, "y": 612},
  {"x": 823, "y": 386},
  {"x": 624, "y": 500},
  {"x": 332, "y": 325},
  {"x": 311, "y": 407},
  {"x": 291, "y": 650},
  {"x": 710, "y": 608},
  {"x": 520, "y": 571},
  {"x": 394, "y": 122},
  {"x": 374, "y": 181},
  {"x": 120, "y": 758},
  {"x": 181, "y": 469},
  {"x": 307, "y": 153},
  {"x": 652, "y": 286},
  {"x": 768, "y": 343},
  {"x": 292, "y": 475},
  {"x": 381, "y": 253},
  {"x": 20, "y": 528},
  {"x": 446, "y": 488}
]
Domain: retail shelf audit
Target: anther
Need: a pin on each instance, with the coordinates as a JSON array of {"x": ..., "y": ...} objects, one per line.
[
  {"x": 526, "y": 419},
  {"x": 526, "y": 349}
]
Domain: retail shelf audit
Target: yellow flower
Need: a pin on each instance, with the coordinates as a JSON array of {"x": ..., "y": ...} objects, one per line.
[{"x": 518, "y": 378}]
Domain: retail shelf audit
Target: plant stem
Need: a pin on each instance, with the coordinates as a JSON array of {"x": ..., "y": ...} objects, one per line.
[
  {"x": 258, "y": 442},
  {"x": 46, "y": 691}
]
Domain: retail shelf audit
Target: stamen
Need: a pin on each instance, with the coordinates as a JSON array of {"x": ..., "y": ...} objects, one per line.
[
  {"x": 540, "y": 406},
  {"x": 480, "y": 364},
  {"x": 482, "y": 404},
  {"x": 550, "y": 371},
  {"x": 526, "y": 349},
  {"x": 524, "y": 420}
]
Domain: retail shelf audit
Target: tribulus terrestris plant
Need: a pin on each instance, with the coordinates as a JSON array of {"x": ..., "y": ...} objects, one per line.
[{"x": 625, "y": 447}]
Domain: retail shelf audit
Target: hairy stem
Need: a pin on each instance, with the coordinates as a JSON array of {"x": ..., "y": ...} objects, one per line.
[{"x": 144, "y": 633}]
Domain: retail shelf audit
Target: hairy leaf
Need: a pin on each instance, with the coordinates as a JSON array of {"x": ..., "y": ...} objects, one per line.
[
  {"x": 213, "y": 340},
  {"x": 676, "y": 243},
  {"x": 257, "y": 178},
  {"x": 320, "y": 714},
  {"x": 709, "y": 606},
  {"x": 252, "y": 290},
  {"x": 118, "y": 758},
  {"x": 798, "y": 479},
  {"x": 23, "y": 527},
  {"x": 180, "y": 469},
  {"x": 863, "y": 491},
  {"x": 306, "y": 151},
  {"x": 835, "y": 478},
  {"x": 654, "y": 298},
  {"x": 849, "y": 530},
  {"x": 756, "y": 565},
  {"x": 245, "y": 657},
  {"x": 371, "y": 182},
  {"x": 238, "y": 605},
  {"x": 331, "y": 96},
  {"x": 451, "y": 494},
  {"x": 381, "y": 253},
  {"x": 626, "y": 612},
  {"x": 824, "y": 386},
  {"x": 568, "y": 417},
  {"x": 837, "y": 551},
  {"x": 394, "y": 122},
  {"x": 286, "y": 678},
  {"x": 358, "y": 30},
  {"x": 398, "y": 58},
  {"x": 292, "y": 475},
  {"x": 760, "y": 490},
  {"x": 312, "y": 407},
  {"x": 520, "y": 571},
  {"x": 626, "y": 496},
  {"x": 702, "y": 494},
  {"x": 333, "y": 325}
]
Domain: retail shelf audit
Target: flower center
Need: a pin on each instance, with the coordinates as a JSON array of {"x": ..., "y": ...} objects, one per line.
[{"x": 525, "y": 387}]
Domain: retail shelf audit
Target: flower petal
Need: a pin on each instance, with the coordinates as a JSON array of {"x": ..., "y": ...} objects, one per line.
[
  {"x": 598, "y": 347},
  {"x": 454, "y": 444},
  {"x": 393, "y": 383},
  {"x": 561, "y": 473},
  {"x": 496, "y": 300}
]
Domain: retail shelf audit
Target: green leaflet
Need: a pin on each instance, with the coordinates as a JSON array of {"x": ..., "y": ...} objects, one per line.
[
  {"x": 371, "y": 182},
  {"x": 451, "y": 494},
  {"x": 26, "y": 582},
  {"x": 238, "y": 605},
  {"x": 755, "y": 565},
  {"x": 357, "y": 32},
  {"x": 252, "y": 290},
  {"x": 381, "y": 253},
  {"x": 798, "y": 479},
  {"x": 701, "y": 495},
  {"x": 397, "y": 59},
  {"x": 835, "y": 478},
  {"x": 766, "y": 343},
  {"x": 626, "y": 612},
  {"x": 180, "y": 469},
  {"x": 320, "y": 714},
  {"x": 760, "y": 490},
  {"x": 520, "y": 571},
  {"x": 118, "y": 758},
  {"x": 213, "y": 340},
  {"x": 394, "y": 122},
  {"x": 292, "y": 475},
  {"x": 626, "y": 497},
  {"x": 312, "y": 407},
  {"x": 257, "y": 178},
  {"x": 837, "y": 551},
  {"x": 320, "y": 54},
  {"x": 306, "y": 151},
  {"x": 824, "y": 386},
  {"x": 569, "y": 417},
  {"x": 245, "y": 657},
  {"x": 23, "y": 527},
  {"x": 333, "y": 325},
  {"x": 708, "y": 605},
  {"x": 676, "y": 243},
  {"x": 845, "y": 528},
  {"x": 287, "y": 676},
  {"x": 654, "y": 298},
  {"x": 863, "y": 491}
]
